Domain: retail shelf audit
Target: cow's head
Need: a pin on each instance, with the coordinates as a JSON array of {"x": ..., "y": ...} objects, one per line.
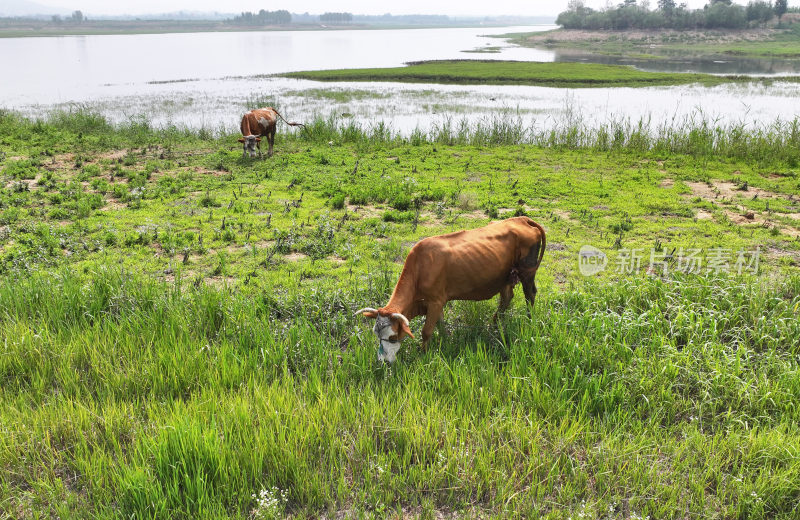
[
  {"x": 391, "y": 328},
  {"x": 249, "y": 143}
]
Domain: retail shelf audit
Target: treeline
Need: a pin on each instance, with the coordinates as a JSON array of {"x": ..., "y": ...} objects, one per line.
[
  {"x": 336, "y": 17},
  {"x": 717, "y": 14},
  {"x": 77, "y": 17},
  {"x": 281, "y": 17}
]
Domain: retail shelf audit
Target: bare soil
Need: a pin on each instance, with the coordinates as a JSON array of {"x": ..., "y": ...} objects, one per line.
[
  {"x": 654, "y": 37},
  {"x": 730, "y": 192}
]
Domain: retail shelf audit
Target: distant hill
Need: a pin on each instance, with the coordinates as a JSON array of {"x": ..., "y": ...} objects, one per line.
[{"x": 26, "y": 8}]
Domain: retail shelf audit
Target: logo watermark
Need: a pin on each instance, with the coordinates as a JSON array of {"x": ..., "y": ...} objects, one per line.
[
  {"x": 716, "y": 260},
  {"x": 591, "y": 260}
]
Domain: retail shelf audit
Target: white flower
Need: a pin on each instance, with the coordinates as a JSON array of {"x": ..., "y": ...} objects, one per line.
[{"x": 270, "y": 504}]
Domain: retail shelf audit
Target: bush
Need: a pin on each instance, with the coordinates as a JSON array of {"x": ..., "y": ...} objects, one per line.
[
  {"x": 337, "y": 202},
  {"x": 398, "y": 216},
  {"x": 401, "y": 202}
]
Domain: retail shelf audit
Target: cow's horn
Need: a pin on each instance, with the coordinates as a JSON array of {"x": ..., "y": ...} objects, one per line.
[
  {"x": 365, "y": 309},
  {"x": 398, "y": 316}
]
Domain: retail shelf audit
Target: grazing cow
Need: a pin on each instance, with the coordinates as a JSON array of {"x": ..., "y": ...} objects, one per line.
[
  {"x": 257, "y": 124},
  {"x": 467, "y": 265}
]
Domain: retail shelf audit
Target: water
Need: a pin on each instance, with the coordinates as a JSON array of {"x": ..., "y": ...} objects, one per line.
[
  {"x": 208, "y": 79},
  {"x": 81, "y": 68}
]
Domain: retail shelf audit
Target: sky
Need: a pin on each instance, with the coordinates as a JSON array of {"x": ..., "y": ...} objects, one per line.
[{"x": 448, "y": 7}]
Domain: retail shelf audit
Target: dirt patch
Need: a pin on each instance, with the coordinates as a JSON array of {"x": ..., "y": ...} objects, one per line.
[
  {"x": 704, "y": 215},
  {"x": 729, "y": 190},
  {"x": 221, "y": 281},
  {"x": 755, "y": 219},
  {"x": 295, "y": 257},
  {"x": 563, "y": 214},
  {"x": 30, "y": 182},
  {"x": 113, "y": 205},
  {"x": 743, "y": 217},
  {"x": 365, "y": 211},
  {"x": 113, "y": 156},
  {"x": 60, "y": 162},
  {"x": 666, "y": 183},
  {"x": 476, "y": 214},
  {"x": 777, "y": 253},
  {"x": 338, "y": 260},
  {"x": 213, "y": 173}
]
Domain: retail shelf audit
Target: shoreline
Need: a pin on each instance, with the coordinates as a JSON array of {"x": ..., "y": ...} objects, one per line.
[{"x": 157, "y": 27}]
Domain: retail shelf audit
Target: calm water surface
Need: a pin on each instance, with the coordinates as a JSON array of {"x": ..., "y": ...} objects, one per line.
[{"x": 209, "y": 79}]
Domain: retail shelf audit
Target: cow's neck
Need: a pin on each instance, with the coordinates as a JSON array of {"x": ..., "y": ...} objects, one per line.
[{"x": 403, "y": 296}]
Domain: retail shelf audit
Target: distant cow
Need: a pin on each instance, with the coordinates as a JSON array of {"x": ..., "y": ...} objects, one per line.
[
  {"x": 467, "y": 265},
  {"x": 257, "y": 124}
]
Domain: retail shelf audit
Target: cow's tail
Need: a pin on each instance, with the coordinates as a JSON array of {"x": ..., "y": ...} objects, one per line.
[
  {"x": 287, "y": 122},
  {"x": 533, "y": 223}
]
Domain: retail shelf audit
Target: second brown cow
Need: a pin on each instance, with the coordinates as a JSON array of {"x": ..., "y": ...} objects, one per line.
[{"x": 257, "y": 124}]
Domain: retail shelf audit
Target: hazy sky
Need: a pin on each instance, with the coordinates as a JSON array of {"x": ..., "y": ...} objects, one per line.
[{"x": 450, "y": 7}]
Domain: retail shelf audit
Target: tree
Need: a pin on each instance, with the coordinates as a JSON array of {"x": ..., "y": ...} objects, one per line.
[
  {"x": 781, "y": 7},
  {"x": 666, "y": 5},
  {"x": 77, "y": 16},
  {"x": 576, "y": 5},
  {"x": 759, "y": 11}
]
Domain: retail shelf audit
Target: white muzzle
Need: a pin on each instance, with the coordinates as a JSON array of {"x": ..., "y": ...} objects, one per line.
[{"x": 387, "y": 349}]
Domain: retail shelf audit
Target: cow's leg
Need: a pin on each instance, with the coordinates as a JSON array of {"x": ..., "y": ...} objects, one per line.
[
  {"x": 440, "y": 325},
  {"x": 271, "y": 141},
  {"x": 431, "y": 317},
  {"x": 529, "y": 288},
  {"x": 506, "y": 294}
]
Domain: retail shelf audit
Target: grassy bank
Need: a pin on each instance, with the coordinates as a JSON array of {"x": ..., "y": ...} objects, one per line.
[
  {"x": 514, "y": 73},
  {"x": 176, "y": 333},
  {"x": 122, "y": 397},
  {"x": 758, "y": 43}
]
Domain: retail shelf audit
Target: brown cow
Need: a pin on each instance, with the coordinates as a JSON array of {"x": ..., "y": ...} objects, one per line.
[
  {"x": 257, "y": 124},
  {"x": 467, "y": 265}
]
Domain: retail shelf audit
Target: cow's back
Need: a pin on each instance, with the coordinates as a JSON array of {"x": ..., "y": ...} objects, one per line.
[
  {"x": 474, "y": 264},
  {"x": 259, "y": 121}
]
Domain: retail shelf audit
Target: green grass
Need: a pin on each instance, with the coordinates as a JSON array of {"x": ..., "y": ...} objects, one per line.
[
  {"x": 176, "y": 331},
  {"x": 515, "y": 73}
]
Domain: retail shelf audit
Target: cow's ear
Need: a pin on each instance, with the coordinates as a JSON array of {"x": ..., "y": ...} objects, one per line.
[
  {"x": 241, "y": 139},
  {"x": 258, "y": 139},
  {"x": 404, "y": 328}
]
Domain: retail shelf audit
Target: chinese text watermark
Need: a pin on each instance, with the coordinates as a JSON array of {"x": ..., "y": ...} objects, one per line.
[{"x": 716, "y": 260}]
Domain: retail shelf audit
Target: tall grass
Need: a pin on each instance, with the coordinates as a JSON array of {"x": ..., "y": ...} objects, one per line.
[
  {"x": 695, "y": 135},
  {"x": 123, "y": 397}
]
